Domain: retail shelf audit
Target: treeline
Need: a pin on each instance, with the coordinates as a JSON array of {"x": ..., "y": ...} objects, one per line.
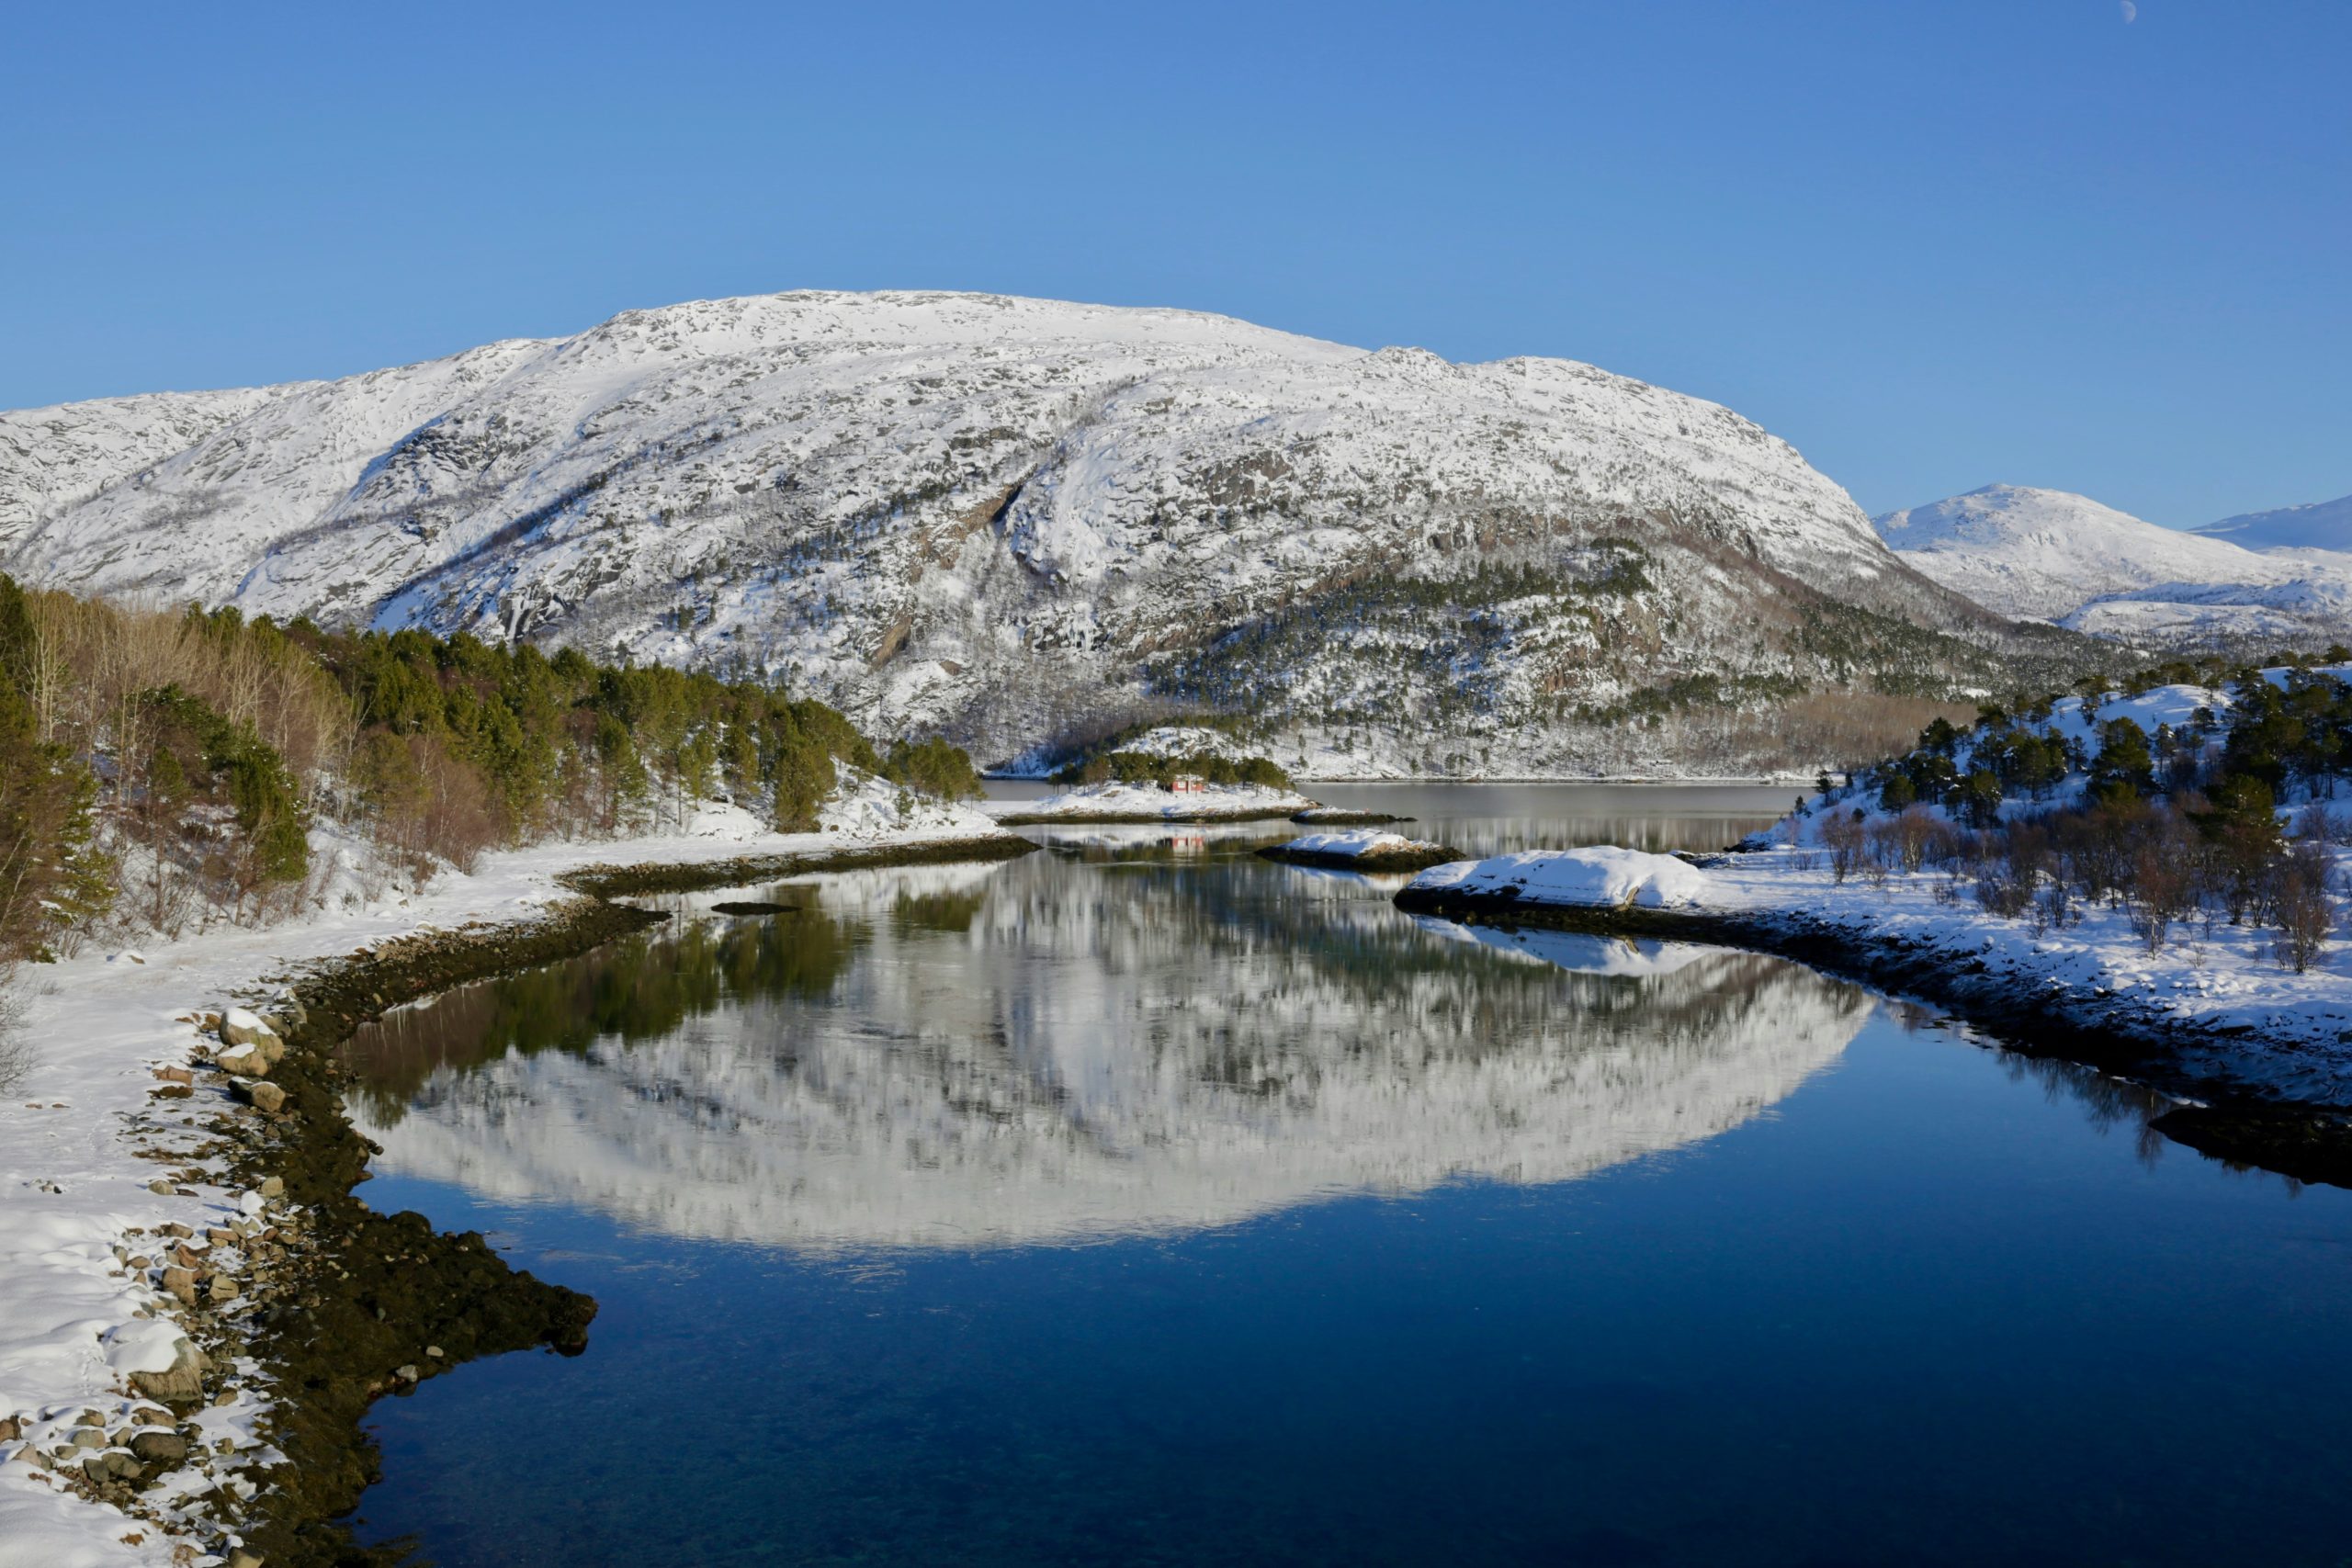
[
  {"x": 2180, "y": 829},
  {"x": 1148, "y": 767},
  {"x": 166, "y": 766},
  {"x": 1112, "y": 757}
]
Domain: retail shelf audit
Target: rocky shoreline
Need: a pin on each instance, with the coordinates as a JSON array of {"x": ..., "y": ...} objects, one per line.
[
  {"x": 2236, "y": 1121},
  {"x": 314, "y": 1298}
]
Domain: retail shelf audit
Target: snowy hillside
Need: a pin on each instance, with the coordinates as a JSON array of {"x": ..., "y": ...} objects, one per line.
[
  {"x": 2065, "y": 558},
  {"x": 1007, "y": 518},
  {"x": 2316, "y": 526}
]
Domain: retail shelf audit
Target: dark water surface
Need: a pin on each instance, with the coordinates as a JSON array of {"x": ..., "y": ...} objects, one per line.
[{"x": 1144, "y": 1202}]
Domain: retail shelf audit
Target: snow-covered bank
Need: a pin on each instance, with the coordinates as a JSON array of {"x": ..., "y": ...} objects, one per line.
[
  {"x": 112, "y": 1174},
  {"x": 2214, "y": 1009},
  {"x": 1603, "y": 877},
  {"x": 1149, "y": 802}
]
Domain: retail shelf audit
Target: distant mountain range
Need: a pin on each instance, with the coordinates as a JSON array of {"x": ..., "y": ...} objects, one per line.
[
  {"x": 2318, "y": 525},
  {"x": 1022, "y": 522},
  {"x": 2068, "y": 560}
]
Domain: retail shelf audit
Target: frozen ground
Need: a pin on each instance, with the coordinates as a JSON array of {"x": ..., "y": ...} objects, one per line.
[{"x": 77, "y": 1114}]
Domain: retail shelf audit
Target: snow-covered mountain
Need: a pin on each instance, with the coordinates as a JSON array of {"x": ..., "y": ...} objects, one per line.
[
  {"x": 1014, "y": 519},
  {"x": 2065, "y": 558},
  {"x": 2316, "y": 526}
]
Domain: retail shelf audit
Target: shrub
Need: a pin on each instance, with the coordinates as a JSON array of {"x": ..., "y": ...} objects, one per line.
[{"x": 2299, "y": 899}]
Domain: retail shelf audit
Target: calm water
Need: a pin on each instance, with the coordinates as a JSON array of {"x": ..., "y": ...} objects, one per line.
[{"x": 1141, "y": 1202}]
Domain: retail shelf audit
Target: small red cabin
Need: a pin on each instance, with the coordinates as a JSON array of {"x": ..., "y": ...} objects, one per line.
[{"x": 1188, "y": 784}]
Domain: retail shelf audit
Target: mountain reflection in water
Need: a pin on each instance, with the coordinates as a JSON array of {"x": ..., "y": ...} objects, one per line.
[{"x": 1082, "y": 1044}]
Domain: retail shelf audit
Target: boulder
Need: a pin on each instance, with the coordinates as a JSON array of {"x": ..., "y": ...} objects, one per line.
[
  {"x": 239, "y": 1027},
  {"x": 262, "y": 1095},
  {"x": 182, "y": 1382},
  {"x": 181, "y": 1283},
  {"x": 248, "y": 1061},
  {"x": 158, "y": 1447}
]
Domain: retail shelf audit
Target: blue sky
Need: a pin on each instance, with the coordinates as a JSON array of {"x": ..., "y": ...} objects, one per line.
[{"x": 1935, "y": 246}]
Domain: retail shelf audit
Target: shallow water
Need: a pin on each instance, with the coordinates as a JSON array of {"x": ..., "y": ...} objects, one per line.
[{"x": 1143, "y": 1202}]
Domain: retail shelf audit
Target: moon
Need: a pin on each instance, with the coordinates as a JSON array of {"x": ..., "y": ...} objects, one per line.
[{"x": 2131, "y": 13}]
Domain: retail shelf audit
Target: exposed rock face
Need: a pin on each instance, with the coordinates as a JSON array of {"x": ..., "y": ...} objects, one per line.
[{"x": 1010, "y": 518}]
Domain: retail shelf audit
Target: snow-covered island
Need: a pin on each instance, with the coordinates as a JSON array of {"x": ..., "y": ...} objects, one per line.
[
  {"x": 2109, "y": 874},
  {"x": 1360, "y": 848}
]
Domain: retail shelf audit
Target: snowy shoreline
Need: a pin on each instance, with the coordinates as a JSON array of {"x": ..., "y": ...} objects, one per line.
[
  {"x": 125, "y": 1140},
  {"x": 1410, "y": 781},
  {"x": 2213, "y": 1018},
  {"x": 1107, "y": 805}
]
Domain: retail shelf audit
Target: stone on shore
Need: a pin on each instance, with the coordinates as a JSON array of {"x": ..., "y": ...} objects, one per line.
[
  {"x": 155, "y": 1446},
  {"x": 249, "y": 1061},
  {"x": 239, "y": 1027},
  {"x": 182, "y": 1382}
]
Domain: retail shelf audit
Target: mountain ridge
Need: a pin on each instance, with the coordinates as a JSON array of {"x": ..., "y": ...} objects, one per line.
[
  {"x": 2314, "y": 525},
  {"x": 1012, "y": 520},
  {"x": 2063, "y": 558}
]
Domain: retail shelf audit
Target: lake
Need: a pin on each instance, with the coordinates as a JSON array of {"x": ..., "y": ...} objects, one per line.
[{"x": 1141, "y": 1202}]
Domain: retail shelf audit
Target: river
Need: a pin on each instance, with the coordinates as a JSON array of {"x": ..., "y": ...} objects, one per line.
[{"x": 1142, "y": 1201}]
